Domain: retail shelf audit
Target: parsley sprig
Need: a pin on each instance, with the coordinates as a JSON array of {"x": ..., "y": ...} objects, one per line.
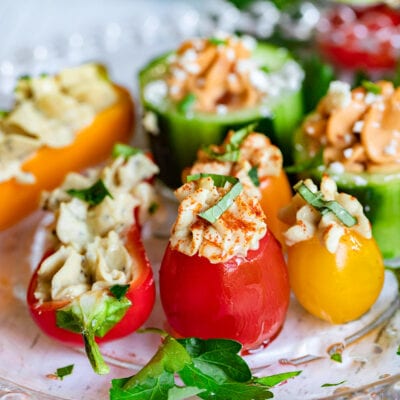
[
  {"x": 210, "y": 369},
  {"x": 93, "y": 195}
]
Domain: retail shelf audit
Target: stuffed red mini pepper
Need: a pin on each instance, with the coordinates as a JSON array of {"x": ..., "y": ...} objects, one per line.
[
  {"x": 95, "y": 281},
  {"x": 223, "y": 274}
]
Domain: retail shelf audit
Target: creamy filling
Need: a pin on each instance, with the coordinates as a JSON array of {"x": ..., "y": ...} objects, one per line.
[
  {"x": 90, "y": 240},
  {"x": 359, "y": 129},
  {"x": 238, "y": 230},
  {"x": 49, "y": 111},
  {"x": 305, "y": 222}
]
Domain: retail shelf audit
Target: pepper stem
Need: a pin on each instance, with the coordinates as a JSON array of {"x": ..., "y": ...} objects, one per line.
[{"x": 93, "y": 353}]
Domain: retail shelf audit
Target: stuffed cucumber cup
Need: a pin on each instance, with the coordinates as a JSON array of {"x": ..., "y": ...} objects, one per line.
[
  {"x": 354, "y": 136},
  {"x": 193, "y": 96}
]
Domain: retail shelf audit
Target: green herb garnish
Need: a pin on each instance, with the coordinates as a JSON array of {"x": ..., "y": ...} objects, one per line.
[
  {"x": 371, "y": 87},
  {"x": 4, "y": 113},
  {"x": 336, "y": 357},
  {"x": 187, "y": 103},
  {"x": 214, "y": 212},
  {"x": 119, "y": 291},
  {"x": 210, "y": 369},
  {"x": 398, "y": 351},
  {"x": 238, "y": 136},
  {"x": 265, "y": 69},
  {"x": 93, "y": 195},
  {"x": 332, "y": 384},
  {"x": 217, "y": 41},
  {"x": 323, "y": 206},
  {"x": 253, "y": 175},
  {"x": 64, "y": 371},
  {"x": 154, "y": 206},
  {"x": 24, "y": 77},
  {"x": 124, "y": 150}
]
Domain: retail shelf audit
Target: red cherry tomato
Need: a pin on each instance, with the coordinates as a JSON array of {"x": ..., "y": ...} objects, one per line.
[
  {"x": 244, "y": 299},
  {"x": 360, "y": 37},
  {"x": 141, "y": 293}
]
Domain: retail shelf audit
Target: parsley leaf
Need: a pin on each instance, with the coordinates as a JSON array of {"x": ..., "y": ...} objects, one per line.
[
  {"x": 124, "y": 150},
  {"x": 64, "y": 371},
  {"x": 119, "y": 291},
  {"x": 323, "y": 206},
  {"x": 210, "y": 369},
  {"x": 332, "y": 384},
  {"x": 336, "y": 357},
  {"x": 93, "y": 195}
]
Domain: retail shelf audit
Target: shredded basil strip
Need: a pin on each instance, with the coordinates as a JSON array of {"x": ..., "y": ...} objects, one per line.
[
  {"x": 253, "y": 175},
  {"x": 237, "y": 138},
  {"x": 119, "y": 291},
  {"x": 371, "y": 87},
  {"x": 219, "y": 180},
  {"x": 64, "y": 371},
  {"x": 231, "y": 154},
  {"x": 213, "y": 213},
  {"x": 217, "y": 41},
  {"x": 323, "y": 206},
  {"x": 187, "y": 103},
  {"x": 124, "y": 150},
  {"x": 332, "y": 384},
  {"x": 93, "y": 195}
]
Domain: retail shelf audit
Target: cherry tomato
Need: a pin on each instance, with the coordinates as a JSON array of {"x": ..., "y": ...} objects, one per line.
[
  {"x": 275, "y": 194},
  {"x": 360, "y": 37},
  {"x": 141, "y": 294},
  {"x": 337, "y": 287},
  {"x": 244, "y": 299}
]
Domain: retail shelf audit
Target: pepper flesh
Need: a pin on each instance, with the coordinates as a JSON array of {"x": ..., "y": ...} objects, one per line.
[
  {"x": 337, "y": 287},
  {"x": 244, "y": 299},
  {"x": 50, "y": 165},
  {"x": 141, "y": 293}
]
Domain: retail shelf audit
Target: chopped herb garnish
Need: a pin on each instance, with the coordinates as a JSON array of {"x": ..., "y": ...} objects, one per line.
[
  {"x": 371, "y": 87},
  {"x": 44, "y": 75},
  {"x": 265, "y": 69},
  {"x": 237, "y": 138},
  {"x": 213, "y": 213},
  {"x": 210, "y": 368},
  {"x": 217, "y": 41},
  {"x": 336, "y": 357},
  {"x": 93, "y": 195},
  {"x": 124, "y": 150},
  {"x": 231, "y": 154},
  {"x": 154, "y": 206},
  {"x": 119, "y": 291},
  {"x": 274, "y": 380},
  {"x": 24, "y": 78},
  {"x": 64, "y": 371},
  {"x": 253, "y": 175},
  {"x": 4, "y": 113},
  {"x": 307, "y": 165},
  {"x": 323, "y": 206},
  {"x": 398, "y": 351},
  {"x": 332, "y": 384},
  {"x": 187, "y": 103},
  {"x": 219, "y": 180}
]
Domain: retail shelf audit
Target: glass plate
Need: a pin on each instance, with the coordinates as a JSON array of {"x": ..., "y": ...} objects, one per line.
[{"x": 124, "y": 36}]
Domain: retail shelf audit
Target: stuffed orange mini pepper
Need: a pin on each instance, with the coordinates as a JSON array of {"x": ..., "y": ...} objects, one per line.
[
  {"x": 58, "y": 124},
  {"x": 252, "y": 158},
  {"x": 335, "y": 267}
]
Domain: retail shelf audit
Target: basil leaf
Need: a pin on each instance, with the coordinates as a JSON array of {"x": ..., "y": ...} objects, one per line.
[
  {"x": 253, "y": 175},
  {"x": 336, "y": 357},
  {"x": 237, "y": 138},
  {"x": 119, "y": 291},
  {"x": 274, "y": 380},
  {"x": 332, "y": 384},
  {"x": 230, "y": 155},
  {"x": 93, "y": 195},
  {"x": 213, "y": 213},
  {"x": 371, "y": 87},
  {"x": 64, "y": 371},
  {"x": 92, "y": 314},
  {"x": 219, "y": 180},
  {"x": 323, "y": 206},
  {"x": 124, "y": 150},
  {"x": 187, "y": 103},
  {"x": 217, "y": 41}
]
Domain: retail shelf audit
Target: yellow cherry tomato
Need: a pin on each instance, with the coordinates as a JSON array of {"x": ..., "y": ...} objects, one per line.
[{"x": 337, "y": 287}]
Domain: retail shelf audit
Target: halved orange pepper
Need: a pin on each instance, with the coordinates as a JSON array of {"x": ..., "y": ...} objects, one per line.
[
  {"x": 49, "y": 165},
  {"x": 275, "y": 194}
]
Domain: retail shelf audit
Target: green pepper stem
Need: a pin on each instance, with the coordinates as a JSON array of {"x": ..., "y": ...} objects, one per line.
[{"x": 93, "y": 353}]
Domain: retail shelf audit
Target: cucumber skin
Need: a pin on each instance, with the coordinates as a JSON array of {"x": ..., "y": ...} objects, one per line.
[
  {"x": 380, "y": 198},
  {"x": 176, "y": 145}
]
